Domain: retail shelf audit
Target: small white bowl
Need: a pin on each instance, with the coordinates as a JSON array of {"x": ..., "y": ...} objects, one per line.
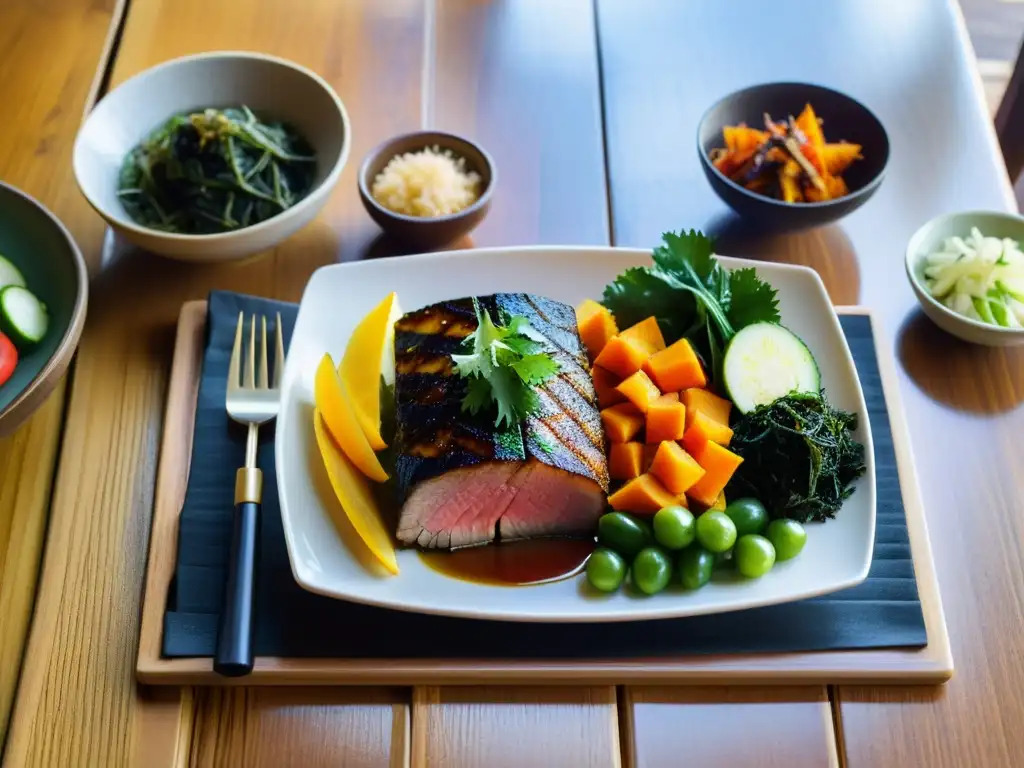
[
  {"x": 270, "y": 86},
  {"x": 931, "y": 236}
]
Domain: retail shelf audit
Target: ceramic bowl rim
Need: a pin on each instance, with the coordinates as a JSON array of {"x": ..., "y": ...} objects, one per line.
[
  {"x": 328, "y": 182},
  {"x": 382, "y": 148},
  {"x": 864, "y": 191},
  {"x": 913, "y": 257},
  {"x": 77, "y": 319}
]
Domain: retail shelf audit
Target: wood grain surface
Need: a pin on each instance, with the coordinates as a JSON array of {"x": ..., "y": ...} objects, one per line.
[
  {"x": 514, "y": 727},
  {"x": 726, "y": 727},
  {"x": 50, "y": 52},
  {"x": 962, "y": 403}
]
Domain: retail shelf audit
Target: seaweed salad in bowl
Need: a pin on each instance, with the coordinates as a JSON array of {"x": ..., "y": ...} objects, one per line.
[
  {"x": 215, "y": 171},
  {"x": 215, "y": 156}
]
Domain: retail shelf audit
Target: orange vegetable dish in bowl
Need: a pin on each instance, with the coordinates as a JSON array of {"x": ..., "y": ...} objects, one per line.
[{"x": 790, "y": 160}]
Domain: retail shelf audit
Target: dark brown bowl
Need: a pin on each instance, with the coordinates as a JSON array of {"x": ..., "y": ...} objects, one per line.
[
  {"x": 420, "y": 232},
  {"x": 845, "y": 118}
]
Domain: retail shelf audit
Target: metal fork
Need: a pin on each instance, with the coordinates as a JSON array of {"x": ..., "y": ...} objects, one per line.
[{"x": 251, "y": 401}]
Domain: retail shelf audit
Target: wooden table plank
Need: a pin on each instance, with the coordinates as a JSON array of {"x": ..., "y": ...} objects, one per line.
[
  {"x": 340, "y": 728},
  {"x": 50, "y": 54},
  {"x": 726, "y": 727},
  {"x": 522, "y": 79},
  {"x": 909, "y": 62},
  {"x": 514, "y": 727},
  {"x": 78, "y": 704}
]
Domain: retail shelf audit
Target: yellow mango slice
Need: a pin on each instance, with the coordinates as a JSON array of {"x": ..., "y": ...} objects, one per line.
[
  {"x": 369, "y": 350},
  {"x": 355, "y": 497},
  {"x": 334, "y": 402}
]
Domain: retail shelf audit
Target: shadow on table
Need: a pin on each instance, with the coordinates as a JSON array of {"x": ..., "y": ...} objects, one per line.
[
  {"x": 383, "y": 246},
  {"x": 962, "y": 376},
  {"x": 827, "y": 250}
]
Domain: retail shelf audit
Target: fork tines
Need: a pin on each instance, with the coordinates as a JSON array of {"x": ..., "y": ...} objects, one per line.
[{"x": 251, "y": 380}]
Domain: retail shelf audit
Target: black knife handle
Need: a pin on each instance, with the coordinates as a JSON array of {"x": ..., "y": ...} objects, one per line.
[{"x": 234, "y": 657}]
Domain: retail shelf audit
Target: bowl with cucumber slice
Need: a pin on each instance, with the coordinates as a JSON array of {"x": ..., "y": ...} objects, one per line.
[
  {"x": 967, "y": 271},
  {"x": 43, "y": 297}
]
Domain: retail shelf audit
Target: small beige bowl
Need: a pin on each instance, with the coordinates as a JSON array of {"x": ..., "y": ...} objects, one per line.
[
  {"x": 931, "y": 236},
  {"x": 270, "y": 86},
  {"x": 422, "y": 232}
]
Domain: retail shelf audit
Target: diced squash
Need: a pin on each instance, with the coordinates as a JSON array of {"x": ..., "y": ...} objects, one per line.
[
  {"x": 838, "y": 157},
  {"x": 626, "y": 461},
  {"x": 836, "y": 187},
  {"x": 719, "y": 465},
  {"x": 700, "y": 509},
  {"x": 642, "y": 495},
  {"x": 596, "y": 326},
  {"x": 666, "y": 419},
  {"x": 623, "y": 356},
  {"x": 708, "y": 403},
  {"x": 604, "y": 384},
  {"x": 675, "y": 468},
  {"x": 703, "y": 428},
  {"x": 808, "y": 123},
  {"x": 647, "y": 333},
  {"x": 639, "y": 390},
  {"x": 720, "y": 502},
  {"x": 676, "y": 368},
  {"x": 813, "y": 156},
  {"x": 740, "y": 138},
  {"x": 622, "y": 422}
]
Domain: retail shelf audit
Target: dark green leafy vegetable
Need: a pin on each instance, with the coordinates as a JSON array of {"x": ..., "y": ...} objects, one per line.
[
  {"x": 799, "y": 457},
  {"x": 215, "y": 171},
  {"x": 692, "y": 295},
  {"x": 504, "y": 363}
]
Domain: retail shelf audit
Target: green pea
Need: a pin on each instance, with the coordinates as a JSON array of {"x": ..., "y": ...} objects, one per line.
[
  {"x": 788, "y": 537},
  {"x": 755, "y": 555},
  {"x": 695, "y": 565},
  {"x": 624, "y": 533},
  {"x": 652, "y": 570},
  {"x": 674, "y": 527},
  {"x": 606, "y": 569},
  {"x": 749, "y": 515},
  {"x": 716, "y": 531}
]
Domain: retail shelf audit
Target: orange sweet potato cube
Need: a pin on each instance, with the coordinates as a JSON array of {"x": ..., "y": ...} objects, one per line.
[
  {"x": 604, "y": 385},
  {"x": 622, "y": 356},
  {"x": 666, "y": 419},
  {"x": 676, "y": 368},
  {"x": 622, "y": 422},
  {"x": 703, "y": 428},
  {"x": 719, "y": 464},
  {"x": 642, "y": 495},
  {"x": 708, "y": 403},
  {"x": 625, "y": 461},
  {"x": 675, "y": 468},
  {"x": 639, "y": 390},
  {"x": 596, "y": 326},
  {"x": 647, "y": 333}
]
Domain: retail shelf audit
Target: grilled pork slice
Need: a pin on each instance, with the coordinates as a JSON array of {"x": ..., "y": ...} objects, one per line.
[{"x": 468, "y": 482}]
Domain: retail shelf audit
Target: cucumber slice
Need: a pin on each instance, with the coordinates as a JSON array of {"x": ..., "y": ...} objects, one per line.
[
  {"x": 10, "y": 275},
  {"x": 764, "y": 362},
  {"x": 23, "y": 317}
]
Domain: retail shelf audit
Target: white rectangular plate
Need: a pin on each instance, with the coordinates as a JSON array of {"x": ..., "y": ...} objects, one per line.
[{"x": 324, "y": 554}]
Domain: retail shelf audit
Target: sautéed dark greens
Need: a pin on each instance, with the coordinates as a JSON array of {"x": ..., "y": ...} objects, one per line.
[{"x": 215, "y": 171}]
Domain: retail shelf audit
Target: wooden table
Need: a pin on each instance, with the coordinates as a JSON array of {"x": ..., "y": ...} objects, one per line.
[{"x": 589, "y": 109}]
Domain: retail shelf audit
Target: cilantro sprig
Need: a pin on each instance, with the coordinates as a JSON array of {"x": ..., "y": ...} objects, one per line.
[
  {"x": 504, "y": 364},
  {"x": 692, "y": 295}
]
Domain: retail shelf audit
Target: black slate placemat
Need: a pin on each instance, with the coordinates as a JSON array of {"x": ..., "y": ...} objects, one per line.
[{"x": 883, "y": 611}]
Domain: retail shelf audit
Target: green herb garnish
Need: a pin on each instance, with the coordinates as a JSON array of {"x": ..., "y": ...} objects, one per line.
[
  {"x": 215, "y": 171},
  {"x": 504, "y": 364},
  {"x": 799, "y": 457},
  {"x": 692, "y": 295}
]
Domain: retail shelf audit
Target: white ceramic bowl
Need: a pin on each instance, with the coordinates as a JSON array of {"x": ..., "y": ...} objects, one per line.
[
  {"x": 931, "y": 236},
  {"x": 271, "y": 87}
]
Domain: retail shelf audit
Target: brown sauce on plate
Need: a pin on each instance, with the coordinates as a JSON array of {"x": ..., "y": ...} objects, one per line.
[{"x": 514, "y": 563}]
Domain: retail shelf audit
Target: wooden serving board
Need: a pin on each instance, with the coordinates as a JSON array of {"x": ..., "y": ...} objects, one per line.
[{"x": 930, "y": 664}]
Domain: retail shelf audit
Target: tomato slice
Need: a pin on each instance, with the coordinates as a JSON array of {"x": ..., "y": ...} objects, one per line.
[{"x": 8, "y": 358}]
